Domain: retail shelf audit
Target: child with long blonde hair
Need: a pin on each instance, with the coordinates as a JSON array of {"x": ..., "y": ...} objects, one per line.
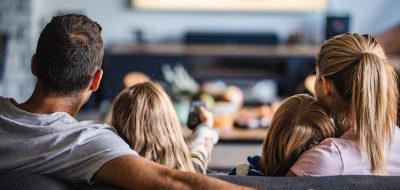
[
  {"x": 144, "y": 117},
  {"x": 299, "y": 124}
]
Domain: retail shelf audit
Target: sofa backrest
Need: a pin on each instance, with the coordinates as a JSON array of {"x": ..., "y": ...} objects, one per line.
[{"x": 21, "y": 181}]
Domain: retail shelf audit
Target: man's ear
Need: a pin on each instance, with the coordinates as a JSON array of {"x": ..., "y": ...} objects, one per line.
[
  {"x": 327, "y": 86},
  {"x": 33, "y": 65},
  {"x": 96, "y": 80}
]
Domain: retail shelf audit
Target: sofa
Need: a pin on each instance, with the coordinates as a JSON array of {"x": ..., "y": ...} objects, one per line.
[{"x": 21, "y": 181}]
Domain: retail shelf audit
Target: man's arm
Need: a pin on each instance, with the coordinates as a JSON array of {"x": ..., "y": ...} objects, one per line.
[{"x": 134, "y": 172}]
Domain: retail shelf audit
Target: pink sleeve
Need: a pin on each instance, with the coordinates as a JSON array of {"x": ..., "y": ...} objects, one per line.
[{"x": 322, "y": 160}]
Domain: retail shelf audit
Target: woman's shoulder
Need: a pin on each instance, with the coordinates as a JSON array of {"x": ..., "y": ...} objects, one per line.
[
  {"x": 323, "y": 159},
  {"x": 329, "y": 143},
  {"x": 395, "y": 146},
  {"x": 337, "y": 142},
  {"x": 333, "y": 148}
]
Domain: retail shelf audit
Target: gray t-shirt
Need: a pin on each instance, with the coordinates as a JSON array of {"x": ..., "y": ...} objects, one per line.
[{"x": 55, "y": 144}]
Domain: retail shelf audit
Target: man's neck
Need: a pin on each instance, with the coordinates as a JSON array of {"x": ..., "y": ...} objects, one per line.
[{"x": 43, "y": 103}]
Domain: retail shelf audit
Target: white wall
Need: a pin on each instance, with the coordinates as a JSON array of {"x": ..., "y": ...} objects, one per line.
[
  {"x": 369, "y": 16},
  {"x": 16, "y": 21},
  {"x": 119, "y": 20}
]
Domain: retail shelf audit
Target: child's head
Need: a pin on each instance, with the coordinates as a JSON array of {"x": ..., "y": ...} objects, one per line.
[
  {"x": 145, "y": 118},
  {"x": 299, "y": 124}
]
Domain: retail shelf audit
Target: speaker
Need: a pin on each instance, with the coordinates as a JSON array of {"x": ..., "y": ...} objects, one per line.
[
  {"x": 336, "y": 25},
  {"x": 3, "y": 43}
]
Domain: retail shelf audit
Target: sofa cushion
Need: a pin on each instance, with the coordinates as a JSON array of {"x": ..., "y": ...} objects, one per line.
[
  {"x": 21, "y": 181},
  {"x": 329, "y": 182}
]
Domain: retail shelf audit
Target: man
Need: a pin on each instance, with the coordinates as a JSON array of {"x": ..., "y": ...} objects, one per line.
[{"x": 42, "y": 136}]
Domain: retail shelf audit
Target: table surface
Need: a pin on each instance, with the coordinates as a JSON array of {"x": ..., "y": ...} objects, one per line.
[
  {"x": 237, "y": 135},
  {"x": 233, "y": 134}
]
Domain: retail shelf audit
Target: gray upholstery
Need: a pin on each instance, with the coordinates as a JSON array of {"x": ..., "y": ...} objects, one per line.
[
  {"x": 20, "y": 181},
  {"x": 330, "y": 182}
]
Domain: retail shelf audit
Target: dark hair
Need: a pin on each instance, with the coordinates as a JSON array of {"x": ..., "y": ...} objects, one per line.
[{"x": 69, "y": 52}]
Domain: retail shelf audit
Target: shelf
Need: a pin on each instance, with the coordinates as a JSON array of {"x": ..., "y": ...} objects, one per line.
[{"x": 216, "y": 50}]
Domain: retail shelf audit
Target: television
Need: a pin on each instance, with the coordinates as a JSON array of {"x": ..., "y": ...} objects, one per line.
[{"x": 232, "y": 5}]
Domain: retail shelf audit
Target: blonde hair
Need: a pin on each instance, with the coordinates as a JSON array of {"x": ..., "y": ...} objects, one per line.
[
  {"x": 298, "y": 124},
  {"x": 367, "y": 87},
  {"x": 144, "y": 117}
]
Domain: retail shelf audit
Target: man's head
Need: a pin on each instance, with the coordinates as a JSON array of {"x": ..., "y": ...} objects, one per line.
[{"x": 69, "y": 53}]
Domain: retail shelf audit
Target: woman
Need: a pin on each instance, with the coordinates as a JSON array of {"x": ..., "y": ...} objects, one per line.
[
  {"x": 299, "y": 124},
  {"x": 358, "y": 86},
  {"x": 144, "y": 117}
]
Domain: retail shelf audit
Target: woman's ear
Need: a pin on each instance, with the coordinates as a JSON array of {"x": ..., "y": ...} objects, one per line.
[{"x": 327, "y": 86}]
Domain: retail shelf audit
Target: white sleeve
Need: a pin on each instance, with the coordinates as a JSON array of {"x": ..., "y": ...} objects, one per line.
[
  {"x": 92, "y": 150},
  {"x": 197, "y": 146},
  {"x": 203, "y": 131}
]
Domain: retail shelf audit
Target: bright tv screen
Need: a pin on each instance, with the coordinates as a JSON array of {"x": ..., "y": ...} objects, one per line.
[{"x": 232, "y": 5}]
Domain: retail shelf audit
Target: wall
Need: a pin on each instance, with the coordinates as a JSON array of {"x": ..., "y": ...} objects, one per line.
[
  {"x": 119, "y": 20},
  {"x": 369, "y": 16},
  {"x": 16, "y": 21}
]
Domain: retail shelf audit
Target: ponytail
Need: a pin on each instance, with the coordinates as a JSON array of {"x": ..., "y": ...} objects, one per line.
[
  {"x": 371, "y": 110},
  {"x": 367, "y": 86}
]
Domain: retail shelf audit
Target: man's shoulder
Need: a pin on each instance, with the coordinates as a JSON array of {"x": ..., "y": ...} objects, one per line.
[
  {"x": 93, "y": 124},
  {"x": 92, "y": 127},
  {"x": 4, "y": 100}
]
